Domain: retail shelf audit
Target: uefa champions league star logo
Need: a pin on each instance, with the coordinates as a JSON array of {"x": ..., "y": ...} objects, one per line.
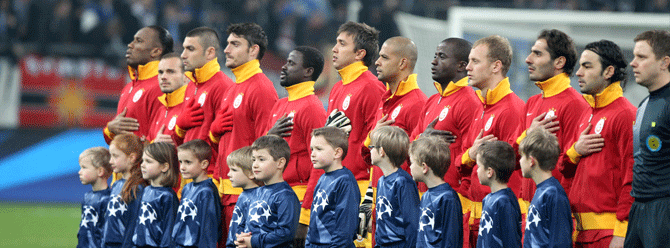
[
  {"x": 148, "y": 213},
  {"x": 486, "y": 223},
  {"x": 535, "y": 215},
  {"x": 116, "y": 204},
  {"x": 187, "y": 208},
  {"x": 89, "y": 216},
  {"x": 429, "y": 217},
  {"x": 259, "y": 209},
  {"x": 383, "y": 207},
  {"x": 237, "y": 216},
  {"x": 322, "y": 198}
]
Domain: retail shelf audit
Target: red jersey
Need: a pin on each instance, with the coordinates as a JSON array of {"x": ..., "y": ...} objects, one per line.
[
  {"x": 140, "y": 98},
  {"x": 559, "y": 99},
  {"x": 208, "y": 85},
  {"x": 167, "y": 113},
  {"x": 455, "y": 107},
  {"x": 308, "y": 113},
  {"x": 251, "y": 99},
  {"x": 358, "y": 95},
  {"x": 600, "y": 191},
  {"x": 502, "y": 117},
  {"x": 404, "y": 107}
]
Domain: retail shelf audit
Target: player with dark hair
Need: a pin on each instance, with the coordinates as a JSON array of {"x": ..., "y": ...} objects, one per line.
[
  {"x": 357, "y": 96},
  {"x": 139, "y": 98},
  {"x": 245, "y": 108},
  {"x": 649, "y": 214},
  {"x": 550, "y": 63},
  {"x": 603, "y": 151},
  {"x": 294, "y": 118}
]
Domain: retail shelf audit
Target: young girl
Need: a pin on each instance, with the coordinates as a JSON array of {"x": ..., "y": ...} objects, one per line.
[
  {"x": 159, "y": 201},
  {"x": 123, "y": 206}
]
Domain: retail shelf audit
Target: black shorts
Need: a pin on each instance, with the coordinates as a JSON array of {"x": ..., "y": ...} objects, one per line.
[{"x": 649, "y": 224}]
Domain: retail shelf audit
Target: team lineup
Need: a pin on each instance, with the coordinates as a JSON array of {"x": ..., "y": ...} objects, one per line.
[{"x": 198, "y": 159}]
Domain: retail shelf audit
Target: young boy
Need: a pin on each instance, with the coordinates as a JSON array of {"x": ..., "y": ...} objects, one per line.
[
  {"x": 95, "y": 170},
  {"x": 199, "y": 214},
  {"x": 500, "y": 224},
  {"x": 549, "y": 219},
  {"x": 441, "y": 221},
  {"x": 334, "y": 216},
  {"x": 240, "y": 174},
  {"x": 397, "y": 195},
  {"x": 273, "y": 215}
]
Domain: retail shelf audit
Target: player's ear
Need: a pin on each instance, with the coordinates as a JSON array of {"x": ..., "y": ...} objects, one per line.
[
  {"x": 559, "y": 63},
  {"x": 339, "y": 152},
  {"x": 165, "y": 167},
  {"x": 424, "y": 168},
  {"x": 282, "y": 162},
  {"x": 204, "y": 164},
  {"x": 360, "y": 54},
  {"x": 156, "y": 52}
]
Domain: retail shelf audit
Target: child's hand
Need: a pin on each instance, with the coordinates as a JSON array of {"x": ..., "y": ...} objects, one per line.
[{"x": 243, "y": 240}]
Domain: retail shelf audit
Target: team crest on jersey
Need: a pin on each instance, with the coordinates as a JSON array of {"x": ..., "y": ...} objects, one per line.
[
  {"x": 238, "y": 100},
  {"x": 654, "y": 143},
  {"x": 345, "y": 103},
  {"x": 550, "y": 113},
  {"x": 259, "y": 209},
  {"x": 427, "y": 219},
  {"x": 396, "y": 112},
  {"x": 599, "y": 125},
  {"x": 444, "y": 112},
  {"x": 291, "y": 114},
  {"x": 116, "y": 204},
  {"x": 147, "y": 214},
  {"x": 89, "y": 216},
  {"x": 202, "y": 98},
  {"x": 172, "y": 122},
  {"x": 237, "y": 216},
  {"x": 383, "y": 207},
  {"x": 320, "y": 200},
  {"x": 138, "y": 95},
  {"x": 485, "y": 223},
  {"x": 489, "y": 123},
  {"x": 533, "y": 217}
]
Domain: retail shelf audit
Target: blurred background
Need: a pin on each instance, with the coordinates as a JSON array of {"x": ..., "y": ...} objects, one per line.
[{"x": 62, "y": 66}]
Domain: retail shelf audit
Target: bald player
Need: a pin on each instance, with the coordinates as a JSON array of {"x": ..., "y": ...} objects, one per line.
[{"x": 403, "y": 100}]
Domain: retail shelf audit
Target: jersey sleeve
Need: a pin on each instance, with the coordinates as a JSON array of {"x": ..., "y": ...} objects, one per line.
[
  {"x": 170, "y": 204},
  {"x": 262, "y": 103},
  {"x": 452, "y": 222},
  {"x": 504, "y": 225},
  {"x": 210, "y": 220},
  {"x": 625, "y": 200}
]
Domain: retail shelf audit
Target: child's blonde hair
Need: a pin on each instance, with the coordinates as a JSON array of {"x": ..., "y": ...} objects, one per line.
[
  {"x": 394, "y": 141},
  {"x": 241, "y": 158},
  {"x": 434, "y": 152},
  {"x": 99, "y": 157},
  {"x": 165, "y": 153}
]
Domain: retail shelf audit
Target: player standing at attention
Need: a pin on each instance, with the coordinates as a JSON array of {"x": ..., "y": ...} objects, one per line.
[
  {"x": 649, "y": 213},
  {"x": 489, "y": 61},
  {"x": 357, "y": 96},
  {"x": 294, "y": 118},
  {"x": 603, "y": 151},
  {"x": 245, "y": 108},
  {"x": 550, "y": 63}
]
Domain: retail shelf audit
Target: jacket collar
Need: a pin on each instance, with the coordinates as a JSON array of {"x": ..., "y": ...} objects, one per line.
[
  {"x": 352, "y": 72},
  {"x": 451, "y": 87},
  {"x": 609, "y": 94},
  {"x": 205, "y": 72},
  {"x": 554, "y": 85},
  {"x": 145, "y": 71},
  {"x": 496, "y": 94},
  {"x": 300, "y": 90},
  {"x": 247, "y": 70}
]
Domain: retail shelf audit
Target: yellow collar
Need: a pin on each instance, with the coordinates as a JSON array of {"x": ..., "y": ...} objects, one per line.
[
  {"x": 352, "y": 72},
  {"x": 146, "y": 71},
  {"x": 300, "y": 90},
  {"x": 496, "y": 94},
  {"x": 404, "y": 87},
  {"x": 451, "y": 87},
  {"x": 247, "y": 70},
  {"x": 609, "y": 94},
  {"x": 554, "y": 85},
  {"x": 174, "y": 98},
  {"x": 205, "y": 72}
]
